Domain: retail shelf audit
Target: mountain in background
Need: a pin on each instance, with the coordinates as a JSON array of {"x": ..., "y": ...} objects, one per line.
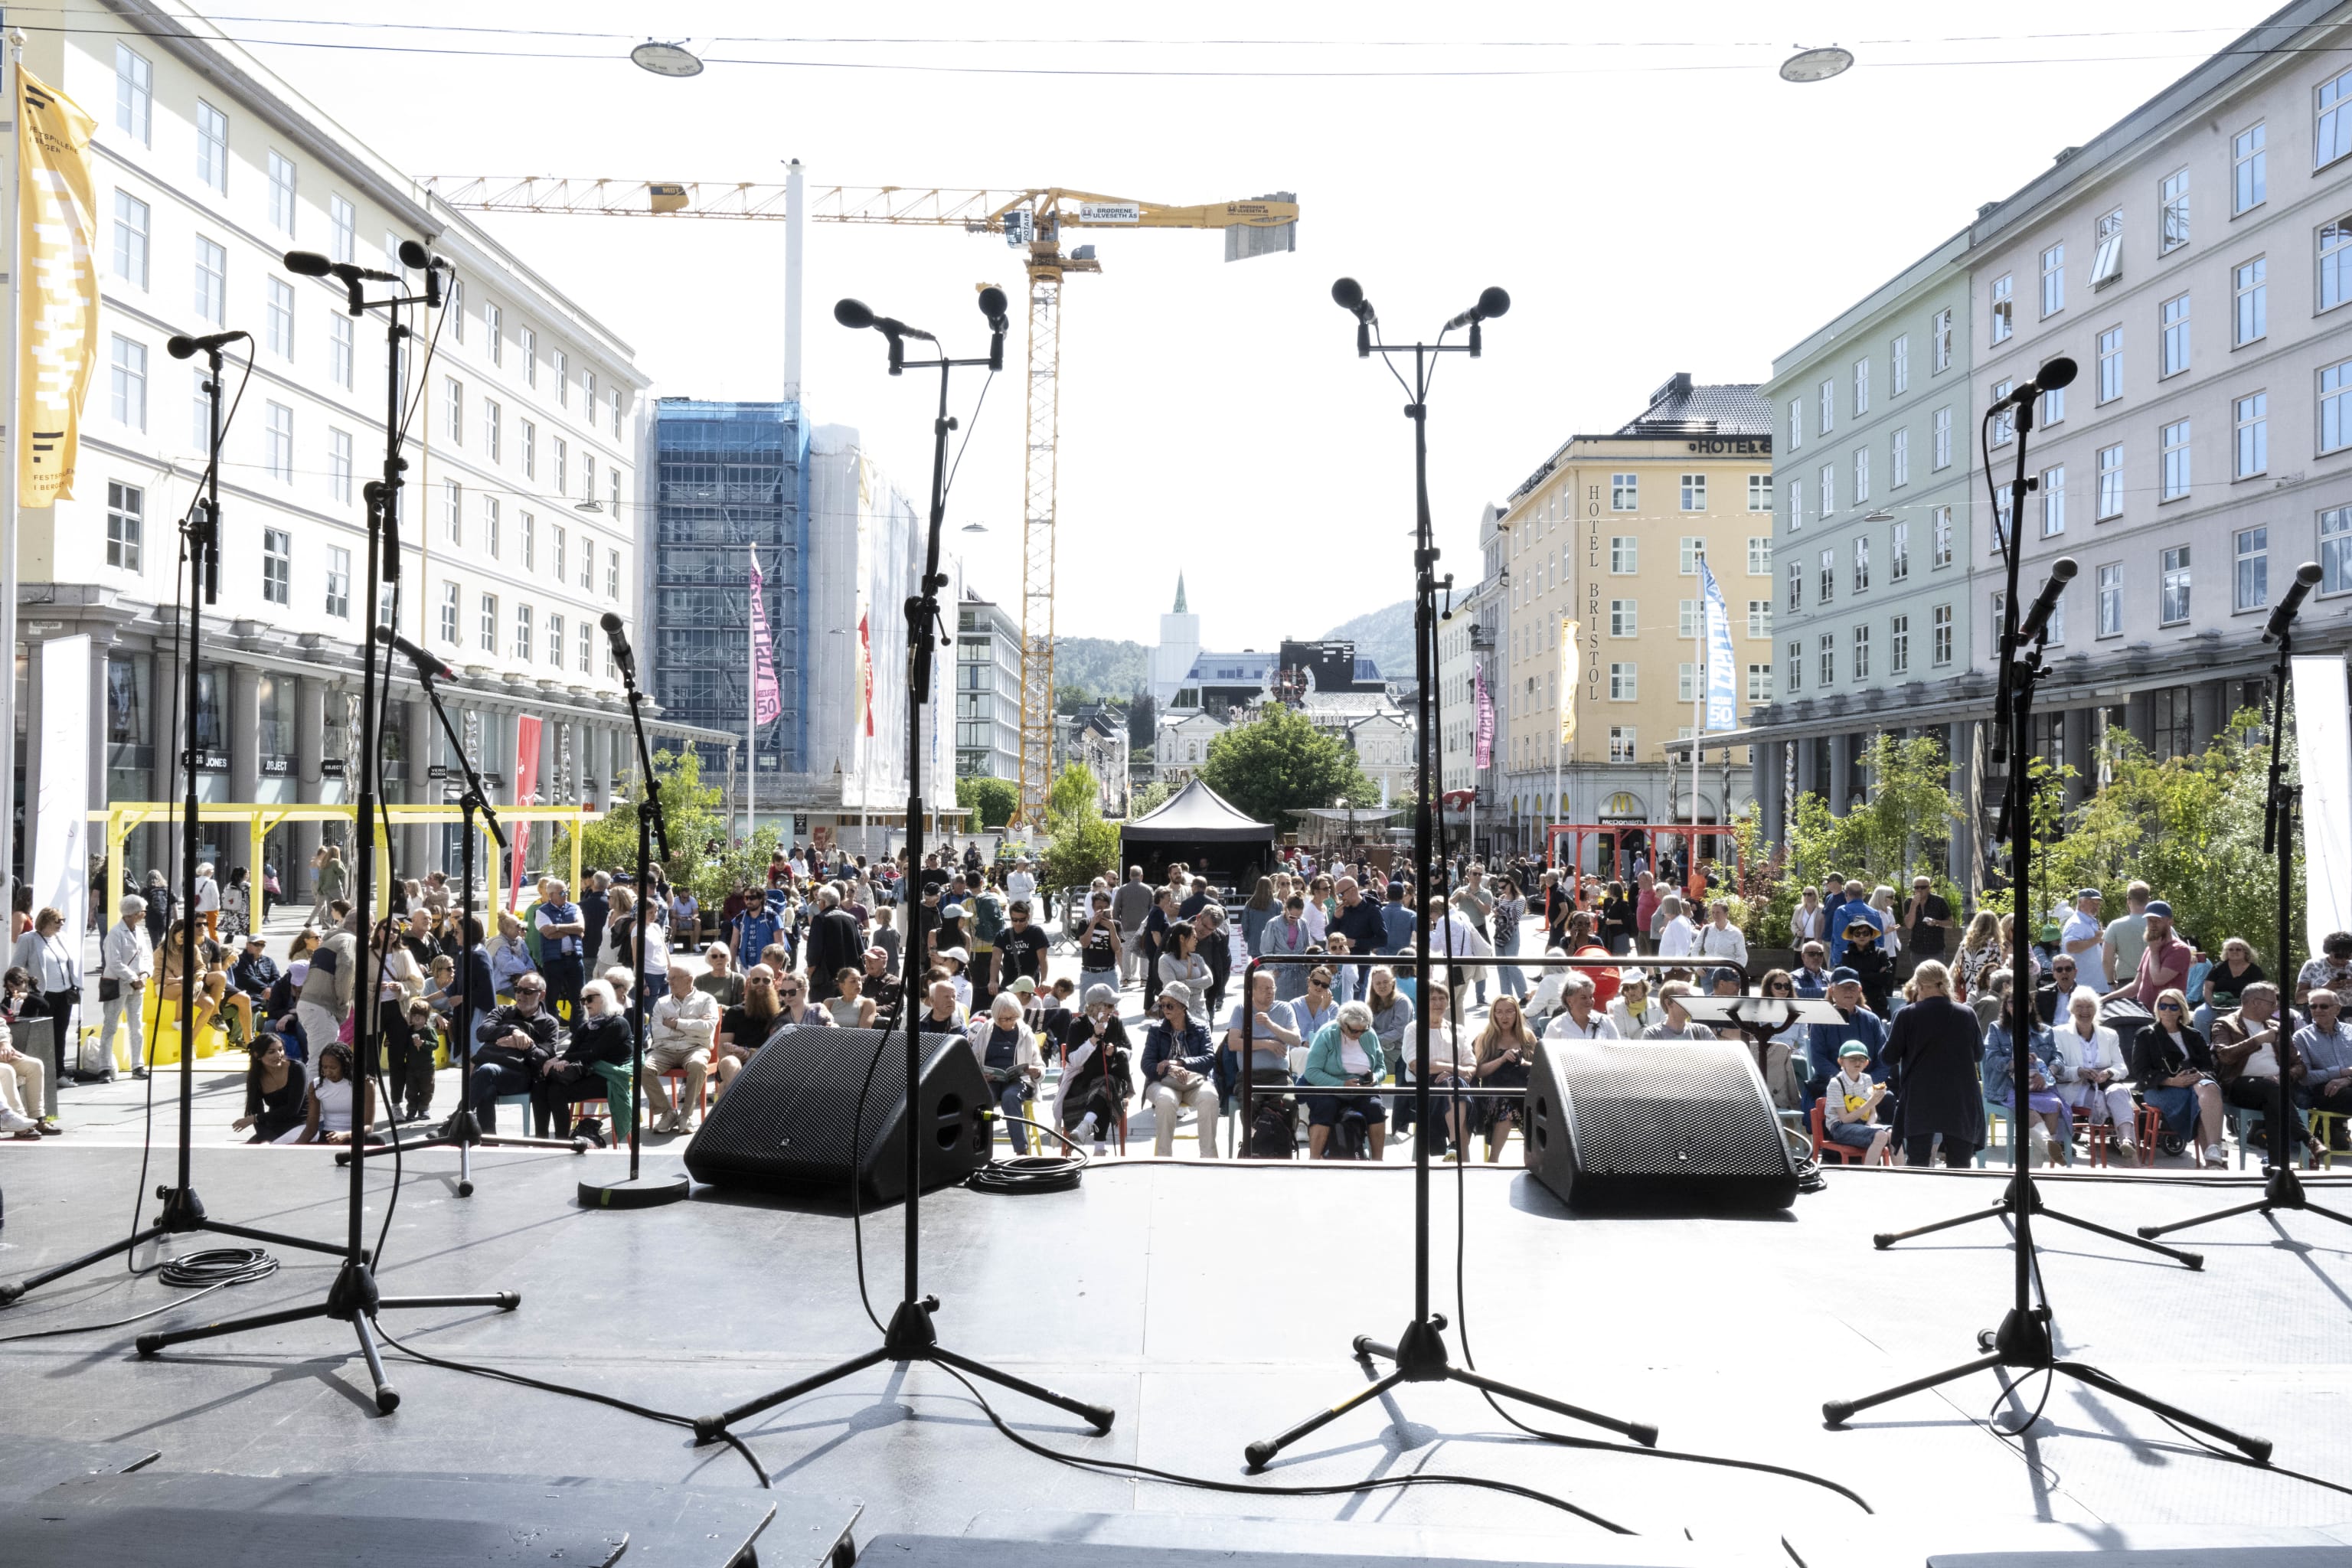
[
  {"x": 1104, "y": 666},
  {"x": 1384, "y": 636}
]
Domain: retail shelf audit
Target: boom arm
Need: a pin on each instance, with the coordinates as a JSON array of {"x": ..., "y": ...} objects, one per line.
[{"x": 981, "y": 212}]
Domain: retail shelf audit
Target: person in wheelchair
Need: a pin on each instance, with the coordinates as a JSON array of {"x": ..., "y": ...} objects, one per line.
[{"x": 1345, "y": 1051}]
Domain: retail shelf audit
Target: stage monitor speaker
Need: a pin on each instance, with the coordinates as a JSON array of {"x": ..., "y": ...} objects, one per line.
[
  {"x": 784, "y": 1124},
  {"x": 1683, "y": 1124}
]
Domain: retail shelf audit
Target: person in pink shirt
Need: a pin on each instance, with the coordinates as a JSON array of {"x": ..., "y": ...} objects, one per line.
[
  {"x": 1644, "y": 906},
  {"x": 2163, "y": 965}
]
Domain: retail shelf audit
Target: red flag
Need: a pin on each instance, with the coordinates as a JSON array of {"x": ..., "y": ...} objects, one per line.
[{"x": 865, "y": 669}]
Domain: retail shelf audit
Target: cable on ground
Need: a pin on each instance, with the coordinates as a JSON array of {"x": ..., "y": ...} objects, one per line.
[{"x": 216, "y": 1269}]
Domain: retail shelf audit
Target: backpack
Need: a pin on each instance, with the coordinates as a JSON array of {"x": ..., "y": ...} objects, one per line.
[
  {"x": 1274, "y": 1128},
  {"x": 987, "y": 919}
]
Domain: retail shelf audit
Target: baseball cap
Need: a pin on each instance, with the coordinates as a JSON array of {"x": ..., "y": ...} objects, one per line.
[
  {"x": 953, "y": 912},
  {"x": 1026, "y": 986},
  {"x": 959, "y": 955},
  {"x": 1842, "y": 976},
  {"x": 2159, "y": 908},
  {"x": 1853, "y": 1048},
  {"x": 2090, "y": 893}
]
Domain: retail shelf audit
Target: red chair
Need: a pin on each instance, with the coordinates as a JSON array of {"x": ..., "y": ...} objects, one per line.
[{"x": 1846, "y": 1154}]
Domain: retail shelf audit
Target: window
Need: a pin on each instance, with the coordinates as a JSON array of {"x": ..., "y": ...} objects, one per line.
[
  {"x": 2253, "y": 426},
  {"x": 456, "y": 309},
  {"x": 1828, "y": 671},
  {"x": 1693, "y": 551},
  {"x": 1624, "y": 618},
  {"x": 2054, "y": 632},
  {"x": 528, "y": 433},
  {"x": 491, "y": 539},
  {"x": 1943, "y": 439},
  {"x": 453, "y": 408},
  {"x": 1624, "y": 491},
  {"x": 134, "y": 95},
  {"x": 1898, "y": 646},
  {"x": 2002, "y": 501},
  {"x": 587, "y": 563},
  {"x": 126, "y": 525},
  {"x": 277, "y": 565},
  {"x": 1862, "y": 475},
  {"x": 1624, "y": 555},
  {"x": 1861, "y": 653},
  {"x": 2172, "y": 602},
  {"x": 2336, "y": 550},
  {"x": 1621, "y": 743},
  {"x": 2111, "y": 364},
  {"x": 489, "y": 626},
  {"x": 1939, "y": 635},
  {"x": 1759, "y": 555},
  {"x": 1825, "y": 409},
  {"x": 1899, "y": 366},
  {"x": 281, "y": 318},
  {"x": 555, "y": 641},
  {"x": 561, "y": 363},
  {"x": 588, "y": 396},
  {"x": 2004, "y": 319},
  {"x": 1760, "y": 493},
  {"x": 2054, "y": 501},
  {"x": 1861, "y": 387},
  {"x": 528, "y": 530},
  {"x": 523, "y": 643},
  {"x": 130, "y": 218},
  {"x": 494, "y": 333},
  {"x": 449, "y": 612},
  {"x": 1625, "y": 683},
  {"x": 2111, "y": 600},
  {"x": 1796, "y": 423},
  {"x": 1759, "y": 618},
  {"x": 2336, "y": 406},
  {"x": 2108, "y": 264},
  {"x": 617, "y": 411},
  {"x": 2054, "y": 279},
  {"x": 493, "y": 428},
  {"x": 527, "y": 341},
  {"x": 1694, "y": 493},
  {"x": 2250, "y": 281},
  {"x": 1862, "y": 564},
  {"x": 562, "y": 450},
  {"x": 587, "y": 476},
  {"x": 2249, "y": 170},
  {"x": 2176, "y": 460},
  {"x": 1759, "y": 683},
  {"x": 343, "y": 223},
  {"x": 2334, "y": 262},
  {"x": 2252, "y": 559},
  {"x": 1796, "y": 505},
  {"x": 1939, "y": 343},
  {"x": 211, "y": 147},
  {"x": 453, "y": 511},
  {"x": 1796, "y": 585},
  {"x": 280, "y": 442},
  {"x": 2111, "y": 483},
  {"x": 1828, "y": 578},
  {"x": 2331, "y": 132},
  {"x": 1898, "y": 460},
  {"x": 1827, "y": 481},
  {"x": 2173, "y": 317},
  {"x": 281, "y": 192},
  {"x": 339, "y": 465},
  {"x": 2173, "y": 197},
  {"x": 2004, "y": 423},
  {"x": 1795, "y": 665},
  {"x": 612, "y": 574},
  {"x": 1898, "y": 555},
  {"x": 1687, "y": 619},
  {"x": 555, "y": 549},
  {"x": 212, "y": 281},
  {"x": 2050, "y": 407},
  {"x": 127, "y": 373},
  {"x": 582, "y": 644},
  {"x": 1686, "y": 681},
  {"x": 1940, "y": 548},
  {"x": 339, "y": 581}
]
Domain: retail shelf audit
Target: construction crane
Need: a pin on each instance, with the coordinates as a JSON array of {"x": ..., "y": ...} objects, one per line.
[{"x": 1030, "y": 221}]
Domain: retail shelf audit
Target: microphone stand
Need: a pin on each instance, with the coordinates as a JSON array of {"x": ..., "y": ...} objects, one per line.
[
  {"x": 2282, "y": 1188},
  {"x": 353, "y": 1297},
  {"x": 2019, "y": 672},
  {"x": 1419, "y": 1351},
  {"x": 910, "y": 1336},
  {"x": 182, "y": 1213},
  {"x": 463, "y": 1131},
  {"x": 637, "y": 1191}
]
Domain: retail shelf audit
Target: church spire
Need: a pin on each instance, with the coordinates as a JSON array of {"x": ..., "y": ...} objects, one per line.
[{"x": 1179, "y": 592}]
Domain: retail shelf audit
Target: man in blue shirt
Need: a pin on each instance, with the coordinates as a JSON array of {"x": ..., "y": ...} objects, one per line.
[
  {"x": 1813, "y": 975},
  {"x": 1861, "y": 1025},
  {"x": 1397, "y": 920},
  {"x": 562, "y": 934}
]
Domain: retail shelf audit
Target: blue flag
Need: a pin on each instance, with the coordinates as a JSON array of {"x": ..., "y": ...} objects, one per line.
[{"x": 1722, "y": 675}]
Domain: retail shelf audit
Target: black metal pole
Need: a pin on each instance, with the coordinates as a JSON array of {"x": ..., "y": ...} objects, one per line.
[
  {"x": 1424, "y": 625},
  {"x": 203, "y": 583}
]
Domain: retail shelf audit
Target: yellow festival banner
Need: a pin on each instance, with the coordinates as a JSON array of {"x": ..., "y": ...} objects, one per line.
[
  {"x": 1571, "y": 672},
  {"x": 56, "y": 321}
]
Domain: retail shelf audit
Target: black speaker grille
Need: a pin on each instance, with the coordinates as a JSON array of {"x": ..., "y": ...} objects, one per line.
[{"x": 1669, "y": 1109}]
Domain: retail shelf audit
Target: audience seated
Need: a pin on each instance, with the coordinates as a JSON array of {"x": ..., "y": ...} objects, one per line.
[{"x": 1178, "y": 1065}]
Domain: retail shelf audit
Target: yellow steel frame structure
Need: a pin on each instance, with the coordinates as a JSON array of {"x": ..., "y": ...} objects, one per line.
[{"x": 120, "y": 818}]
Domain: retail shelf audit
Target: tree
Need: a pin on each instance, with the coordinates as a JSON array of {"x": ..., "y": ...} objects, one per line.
[
  {"x": 1901, "y": 828},
  {"x": 1143, "y": 723},
  {"x": 1151, "y": 798},
  {"x": 1281, "y": 765},
  {"x": 995, "y": 799},
  {"x": 690, "y": 812},
  {"x": 1084, "y": 846},
  {"x": 1068, "y": 698}
]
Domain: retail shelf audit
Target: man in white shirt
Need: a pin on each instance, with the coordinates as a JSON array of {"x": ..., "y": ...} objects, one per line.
[
  {"x": 678, "y": 1032},
  {"x": 1446, "y": 927},
  {"x": 1020, "y": 882},
  {"x": 2092, "y": 1073},
  {"x": 1579, "y": 1019},
  {"x": 1720, "y": 939},
  {"x": 128, "y": 961},
  {"x": 1676, "y": 938},
  {"x": 2086, "y": 937}
]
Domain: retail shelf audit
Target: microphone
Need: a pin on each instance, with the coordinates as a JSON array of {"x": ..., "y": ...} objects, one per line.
[
  {"x": 1349, "y": 296},
  {"x": 2062, "y": 572},
  {"x": 307, "y": 263},
  {"x": 1492, "y": 302},
  {"x": 2058, "y": 373},
  {"x": 620, "y": 641},
  {"x": 182, "y": 346},
  {"x": 428, "y": 667},
  {"x": 856, "y": 315},
  {"x": 992, "y": 305},
  {"x": 2282, "y": 614},
  {"x": 311, "y": 264}
]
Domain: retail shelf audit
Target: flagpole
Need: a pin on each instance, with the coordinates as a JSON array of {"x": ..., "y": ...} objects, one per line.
[
  {"x": 751, "y": 708},
  {"x": 8, "y": 515}
]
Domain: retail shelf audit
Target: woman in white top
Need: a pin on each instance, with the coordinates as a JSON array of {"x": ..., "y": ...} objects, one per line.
[
  {"x": 849, "y": 1009},
  {"x": 1451, "y": 1062},
  {"x": 398, "y": 979},
  {"x": 327, "y": 1118},
  {"x": 2092, "y": 1075}
]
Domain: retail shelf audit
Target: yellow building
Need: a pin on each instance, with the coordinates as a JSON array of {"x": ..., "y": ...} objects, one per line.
[{"x": 1609, "y": 533}]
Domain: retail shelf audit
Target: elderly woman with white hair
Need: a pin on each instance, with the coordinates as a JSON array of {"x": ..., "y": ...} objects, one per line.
[
  {"x": 1008, "y": 1055},
  {"x": 1344, "y": 1052},
  {"x": 601, "y": 1037},
  {"x": 1178, "y": 1072},
  {"x": 1095, "y": 1082},
  {"x": 1581, "y": 1016},
  {"x": 2092, "y": 1076}
]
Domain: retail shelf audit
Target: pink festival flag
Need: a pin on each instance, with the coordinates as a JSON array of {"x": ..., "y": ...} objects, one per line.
[
  {"x": 1486, "y": 752},
  {"x": 767, "y": 692}
]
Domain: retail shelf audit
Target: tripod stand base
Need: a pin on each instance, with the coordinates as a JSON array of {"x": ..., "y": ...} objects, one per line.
[
  {"x": 2005, "y": 1207},
  {"x": 183, "y": 1214},
  {"x": 909, "y": 1338},
  {"x": 2282, "y": 1189},
  {"x": 1420, "y": 1357},
  {"x": 634, "y": 1193}
]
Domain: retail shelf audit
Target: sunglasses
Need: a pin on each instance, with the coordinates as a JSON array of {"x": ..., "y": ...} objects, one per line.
[{"x": 2167, "y": 1007}]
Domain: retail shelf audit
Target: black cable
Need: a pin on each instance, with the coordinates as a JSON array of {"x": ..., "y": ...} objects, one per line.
[
  {"x": 972, "y": 424},
  {"x": 1026, "y": 1174},
  {"x": 215, "y": 1270},
  {"x": 498, "y": 1374}
]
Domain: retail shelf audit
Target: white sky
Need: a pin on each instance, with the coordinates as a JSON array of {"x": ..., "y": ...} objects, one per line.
[{"x": 1667, "y": 207}]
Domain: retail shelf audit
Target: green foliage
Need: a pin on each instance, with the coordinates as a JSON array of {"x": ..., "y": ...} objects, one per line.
[
  {"x": 736, "y": 863},
  {"x": 995, "y": 799},
  {"x": 1281, "y": 765},
  {"x": 1151, "y": 798},
  {"x": 1903, "y": 827},
  {"x": 1084, "y": 846},
  {"x": 689, "y": 810},
  {"x": 1070, "y": 696},
  {"x": 1103, "y": 665}
]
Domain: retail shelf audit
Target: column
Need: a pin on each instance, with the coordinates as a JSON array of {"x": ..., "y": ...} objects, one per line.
[
  {"x": 546, "y": 759},
  {"x": 302, "y": 838},
  {"x": 2079, "y": 752},
  {"x": 1960, "y": 861},
  {"x": 102, "y": 643},
  {"x": 1840, "y": 780},
  {"x": 1808, "y": 775},
  {"x": 1764, "y": 784},
  {"x": 2138, "y": 719},
  {"x": 2209, "y": 709},
  {"x": 597, "y": 750},
  {"x": 419, "y": 844},
  {"x": 244, "y": 761},
  {"x": 168, "y": 781}
]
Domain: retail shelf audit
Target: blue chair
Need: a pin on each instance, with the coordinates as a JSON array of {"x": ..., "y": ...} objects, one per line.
[{"x": 2241, "y": 1122}]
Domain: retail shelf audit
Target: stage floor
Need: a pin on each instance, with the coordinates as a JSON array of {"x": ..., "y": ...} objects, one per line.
[{"x": 1211, "y": 1304}]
